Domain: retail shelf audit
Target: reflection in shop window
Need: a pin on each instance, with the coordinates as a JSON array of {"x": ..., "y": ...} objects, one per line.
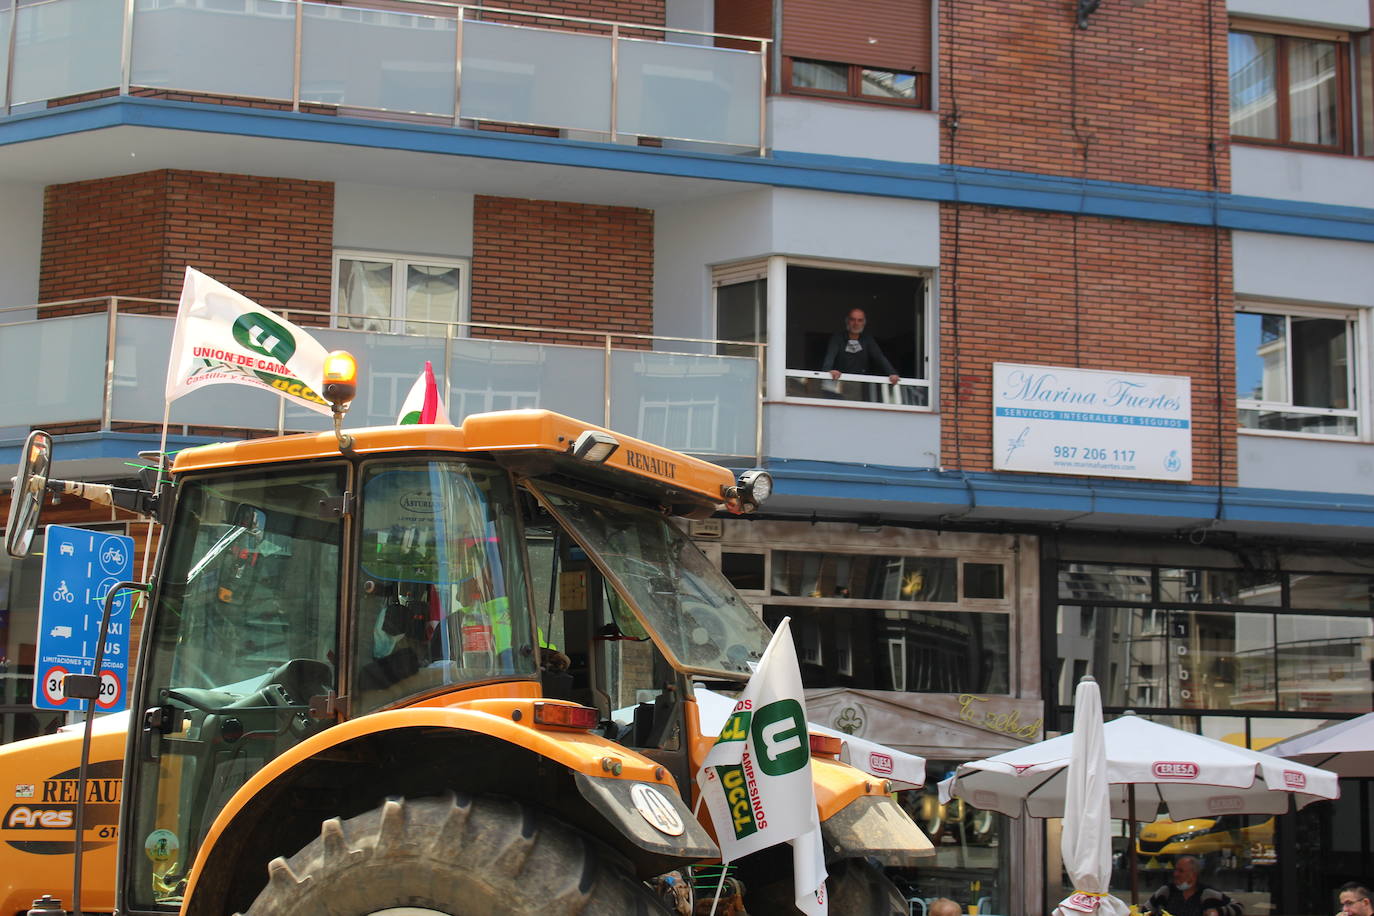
[
  {"x": 1331, "y": 593},
  {"x": 1221, "y": 586},
  {"x": 1105, "y": 581},
  {"x": 806, "y": 574},
  {"x": 970, "y": 865},
  {"x": 916, "y": 651}
]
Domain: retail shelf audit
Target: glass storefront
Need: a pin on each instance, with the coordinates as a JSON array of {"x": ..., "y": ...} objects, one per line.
[
  {"x": 1246, "y": 655},
  {"x": 939, "y": 622}
]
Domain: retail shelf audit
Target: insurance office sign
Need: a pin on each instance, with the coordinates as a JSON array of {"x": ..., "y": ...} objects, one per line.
[{"x": 1053, "y": 420}]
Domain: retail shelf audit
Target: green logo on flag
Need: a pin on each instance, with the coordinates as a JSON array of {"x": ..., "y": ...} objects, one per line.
[
  {"x": 780, "y": 737},
  {"x": 262, "y": 335},
  {"x": 737, "y": 797},
  {"x": 736, "y": 727}
]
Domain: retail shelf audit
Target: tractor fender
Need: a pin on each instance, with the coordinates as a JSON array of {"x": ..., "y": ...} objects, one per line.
[{"x": 488, "y": 746}]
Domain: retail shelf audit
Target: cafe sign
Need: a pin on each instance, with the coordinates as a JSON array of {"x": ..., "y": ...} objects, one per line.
[{"x": 1054, "y": 420}]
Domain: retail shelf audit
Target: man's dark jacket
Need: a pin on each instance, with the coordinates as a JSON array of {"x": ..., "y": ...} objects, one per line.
[{"x": 1171, "y": 899}]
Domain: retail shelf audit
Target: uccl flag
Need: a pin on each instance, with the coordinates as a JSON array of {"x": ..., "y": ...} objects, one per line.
[
  {"x": 423, "y": 404},
  {"x": 224, "y": 337},
  {"x": 756, "y": 781}
]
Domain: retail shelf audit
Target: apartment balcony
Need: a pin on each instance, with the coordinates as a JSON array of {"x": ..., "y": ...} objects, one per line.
[
  {"x": 427, "y": 62},
  {"x": 104, "y": 371}
]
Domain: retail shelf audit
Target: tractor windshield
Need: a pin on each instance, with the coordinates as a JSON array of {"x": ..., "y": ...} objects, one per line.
[
  {"x": 243, "y": 637},
  {"x": 694, "y": 614}
]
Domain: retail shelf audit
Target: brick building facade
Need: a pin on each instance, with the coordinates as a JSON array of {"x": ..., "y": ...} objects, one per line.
[{"x": 1172, "y": 189}]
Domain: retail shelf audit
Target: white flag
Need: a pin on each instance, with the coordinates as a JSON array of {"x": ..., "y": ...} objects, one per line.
[
  {"x": 224, "y": 337},
  {"x": 756, "y": 780},
  {"x": 423, "y": 404}
]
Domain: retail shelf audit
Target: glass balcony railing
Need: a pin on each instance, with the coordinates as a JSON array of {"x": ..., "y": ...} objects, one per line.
[
  {"x": 460, "y": 65},
  {"x": 107, "y": 370}
]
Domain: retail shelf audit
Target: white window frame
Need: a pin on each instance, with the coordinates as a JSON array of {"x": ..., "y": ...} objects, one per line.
[
  {"x": 399, "y": 262},
  {"x": 1358, "y": 354},
  {"x": 778, "y": 373}
]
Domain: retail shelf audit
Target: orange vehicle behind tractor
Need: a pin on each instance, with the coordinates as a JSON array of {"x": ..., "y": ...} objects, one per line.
[{"x": 436, "y": 667}]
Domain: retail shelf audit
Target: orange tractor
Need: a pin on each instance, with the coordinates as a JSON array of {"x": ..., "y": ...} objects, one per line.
[{"x": 436, "y": 668}]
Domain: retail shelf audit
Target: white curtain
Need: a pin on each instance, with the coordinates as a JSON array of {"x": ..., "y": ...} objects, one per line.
[
  {"x": 364, "y": 295},
  {"x": 1312, "y": 92}
]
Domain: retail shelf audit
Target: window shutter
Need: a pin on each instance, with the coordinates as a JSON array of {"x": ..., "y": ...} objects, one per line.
[
  {"x": 743, "y": 17},
  {"x": 884, "y": 34},
  {"x": 740, "y": 272}
]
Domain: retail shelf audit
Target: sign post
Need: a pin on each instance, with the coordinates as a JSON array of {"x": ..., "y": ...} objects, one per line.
[{"x": 80, "y": 567}]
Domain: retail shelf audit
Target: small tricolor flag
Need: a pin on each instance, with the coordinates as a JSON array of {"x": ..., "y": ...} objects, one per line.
[{"x": 423, "y": 404}]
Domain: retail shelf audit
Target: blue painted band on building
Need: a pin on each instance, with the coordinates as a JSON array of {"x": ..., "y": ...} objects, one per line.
[
  {"x": 880, "y": 178},
  {"x": 915, "y": 493}
]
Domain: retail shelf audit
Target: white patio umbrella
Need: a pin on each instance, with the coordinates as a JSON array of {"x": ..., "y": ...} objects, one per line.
[
  {"x": 1086, "y": 842},
  {"x": 1149, "y": 766},
  {"x": 1190, "y": 775},
  {"x": 1346, "y": 748}
]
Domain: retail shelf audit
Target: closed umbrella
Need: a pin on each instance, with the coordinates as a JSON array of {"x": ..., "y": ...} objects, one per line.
[
  {"x": 1086, "y": 842},
  {"x": 1346, "y": 748}
]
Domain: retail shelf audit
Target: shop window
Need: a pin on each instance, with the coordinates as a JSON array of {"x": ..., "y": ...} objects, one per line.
[
  {"x": 1105, "y": 581},
  {"x": 1331, "y": 593},
  {"x": 984, "y": 580},
  {"x": 744, "y": 570},
  {"x": 854, "y": 81},
  {"x": 1296, "y": 371},
  {"x": 1254, "y": 643},
  {"x": 810, "y": 574},
  {"x": 1289, "y": 89},
  {"x": 397, "y": 294},
  {"x": 972, "y": 849},
  {"x": 905, "y": 651}
]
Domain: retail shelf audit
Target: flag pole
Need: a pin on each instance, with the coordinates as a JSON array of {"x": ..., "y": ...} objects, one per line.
[{"x": 157, "y": 490}]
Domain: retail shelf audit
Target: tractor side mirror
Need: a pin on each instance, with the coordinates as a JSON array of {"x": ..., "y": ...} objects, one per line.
[{"x": 30, "y": 488}]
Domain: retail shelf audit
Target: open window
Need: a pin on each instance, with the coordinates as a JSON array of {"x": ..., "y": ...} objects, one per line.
[
  {"x": 1297, "y": 370},
  {"x": 847, "y": 330}
]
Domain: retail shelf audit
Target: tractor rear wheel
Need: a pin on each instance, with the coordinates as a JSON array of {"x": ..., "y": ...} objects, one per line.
[{"x": 451, "y": 856}]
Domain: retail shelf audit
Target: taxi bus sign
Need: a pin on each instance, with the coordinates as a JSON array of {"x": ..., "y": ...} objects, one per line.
[{"x": 80, "y": 566}]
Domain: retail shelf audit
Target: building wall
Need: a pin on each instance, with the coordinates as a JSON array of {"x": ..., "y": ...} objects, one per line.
[
  {"x": 20, "y": 244},
  {"x": 134, "y": 235},
  {"x": 1051, "y": 289},
  {"x": 1136, "y": 96},
  {"x": 409, "y": 221},
  {"x": 548, "y": 263}
]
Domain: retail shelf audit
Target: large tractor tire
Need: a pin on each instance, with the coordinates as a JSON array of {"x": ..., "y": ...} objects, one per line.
[
  {"x": 456, "y": 856},
  {"x": 856, "y": 888}
]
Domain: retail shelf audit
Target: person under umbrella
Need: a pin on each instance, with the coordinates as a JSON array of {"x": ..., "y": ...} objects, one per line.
[{"x": 1186, "y": 895}]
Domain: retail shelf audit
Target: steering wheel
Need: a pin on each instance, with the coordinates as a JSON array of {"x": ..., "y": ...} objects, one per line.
[{"x": 296, "y": 681}]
